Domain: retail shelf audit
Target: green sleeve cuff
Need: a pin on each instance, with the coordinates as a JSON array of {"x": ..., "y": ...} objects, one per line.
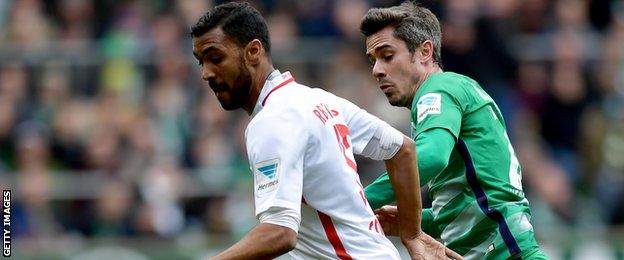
[
  {"x": 380, "y": 192},
  {"x": 426, "y": 222}
]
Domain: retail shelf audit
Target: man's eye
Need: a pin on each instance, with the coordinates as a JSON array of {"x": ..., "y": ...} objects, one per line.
[
  {"x": 215, "y": 59},
  {"x": 388, "y": 57}
]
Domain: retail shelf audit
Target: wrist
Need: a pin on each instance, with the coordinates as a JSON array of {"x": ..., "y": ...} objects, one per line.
[{"x": 406, "y": 238}]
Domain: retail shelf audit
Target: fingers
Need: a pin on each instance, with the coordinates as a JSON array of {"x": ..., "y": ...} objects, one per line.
[
  {"x": 451, "y": 254},
  {"x": 436, "y": 249},
  {"x": 387, "y": 210},
  {"x": 392, "y": 210}
]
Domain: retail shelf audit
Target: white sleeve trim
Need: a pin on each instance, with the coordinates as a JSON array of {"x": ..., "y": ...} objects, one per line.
[
  {"x": 284, "y": 217},
  {"x": 384, "y": 144}
]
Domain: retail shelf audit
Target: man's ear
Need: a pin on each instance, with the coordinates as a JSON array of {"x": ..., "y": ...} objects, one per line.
[
  {"x": 425, "y": 51},
  {"x": 254, "y": 51}
]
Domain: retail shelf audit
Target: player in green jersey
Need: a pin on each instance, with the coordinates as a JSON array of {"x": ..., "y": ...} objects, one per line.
[{"x": 464, "y": 155}]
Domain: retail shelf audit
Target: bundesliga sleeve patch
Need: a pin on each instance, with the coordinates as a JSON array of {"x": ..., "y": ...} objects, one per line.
[
  {"x": 266, "y": 175},
  {"x": 428, "y": 104}
]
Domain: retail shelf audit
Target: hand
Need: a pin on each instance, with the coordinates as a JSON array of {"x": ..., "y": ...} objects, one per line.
[
  {"x": 425, "y": 247},
  {"x": 389, "y": 220},
  {"x": 421, "y": 247}
]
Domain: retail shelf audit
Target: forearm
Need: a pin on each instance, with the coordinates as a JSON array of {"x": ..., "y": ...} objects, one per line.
[
  {"x": 403, "y": 173},
  {"x": 434, "y": 147},
  {"x": 265, "y": 241}
]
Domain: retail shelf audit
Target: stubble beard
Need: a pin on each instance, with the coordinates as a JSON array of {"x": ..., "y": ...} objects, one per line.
[{"x": 240, "y": 90}]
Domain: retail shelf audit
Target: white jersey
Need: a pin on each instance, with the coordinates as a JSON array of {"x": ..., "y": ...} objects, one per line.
[{"x": 300, "y": 144}]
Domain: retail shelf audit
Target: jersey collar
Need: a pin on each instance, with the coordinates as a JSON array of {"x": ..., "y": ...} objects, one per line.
[{"x": 275, "y": 81}]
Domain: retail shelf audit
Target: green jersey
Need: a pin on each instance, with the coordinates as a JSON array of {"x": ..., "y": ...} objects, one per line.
[{"x": 478, "y": 207}]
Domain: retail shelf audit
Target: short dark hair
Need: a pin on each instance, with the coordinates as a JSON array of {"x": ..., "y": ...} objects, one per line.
[
  {"x": 412, "y": 23},
  {"x": 238, "y": 20}
]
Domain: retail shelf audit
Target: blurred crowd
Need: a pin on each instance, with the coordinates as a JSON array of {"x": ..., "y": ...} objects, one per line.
[{"x": 107, "y": 130}]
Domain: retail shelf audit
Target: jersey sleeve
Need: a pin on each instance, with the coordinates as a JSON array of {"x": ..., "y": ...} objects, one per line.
[
  {"x": 284, "y": 217},
  {"x": 434, "y": 148},
  {"x": 437, "y": 108},
  {"x": 371, "y": 137},
  {"x": 275, "y": 147}
]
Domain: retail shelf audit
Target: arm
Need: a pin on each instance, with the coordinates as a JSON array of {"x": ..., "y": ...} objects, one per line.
[
  {"x": 433, "y": 147},
  {"x": 422, "y": 247},
  {"x": 277, "y": 166},
  {"x": 375, "y": 139},
  {"x": 435, "y": 139},
  {"x": 403, "y": 173},
  {"x": 380, "y": 193},
  {"x": 265, "y": 241}
]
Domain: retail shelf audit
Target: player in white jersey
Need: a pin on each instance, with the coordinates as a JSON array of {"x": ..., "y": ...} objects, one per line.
[{"x": 300, "y": 144}]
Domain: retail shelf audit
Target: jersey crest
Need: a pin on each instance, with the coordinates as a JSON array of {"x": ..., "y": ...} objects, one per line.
[
  {"x": 266, "y": 175},
  {"x": 428, "y": 104}
]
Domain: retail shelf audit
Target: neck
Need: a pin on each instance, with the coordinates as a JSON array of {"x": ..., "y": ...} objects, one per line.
[
  {"x": 434, "y": 68},
  {"x": 258, "y": 78}
]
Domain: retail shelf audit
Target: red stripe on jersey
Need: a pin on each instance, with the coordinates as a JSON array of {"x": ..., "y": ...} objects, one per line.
[
  {"x": 352, "y": 165},
  {"x": 363, "y": 197},
  {"x": 276, "y": 88},
  {"x": 332, "y": 235}
]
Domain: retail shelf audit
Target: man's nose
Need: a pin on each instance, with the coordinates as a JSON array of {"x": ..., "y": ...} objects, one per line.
[
  {"x": 207, "y": 73},
  {"x": 378, "y": 71}
]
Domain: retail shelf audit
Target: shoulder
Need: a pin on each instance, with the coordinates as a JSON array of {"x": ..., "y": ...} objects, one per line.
[
  {"x": 276, "y": 132},
  {"x": 272, "y": 117},
  {"x": 450, "y": 82},
  {"x": 286, "y": 111},
  {"x": 295, "y": 96},
  {"x": 303, "y": 101},
  {"x": 459, "y": 88}
]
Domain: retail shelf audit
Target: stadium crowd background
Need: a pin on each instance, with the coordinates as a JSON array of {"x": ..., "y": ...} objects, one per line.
[{"x": 111, "y": 142}]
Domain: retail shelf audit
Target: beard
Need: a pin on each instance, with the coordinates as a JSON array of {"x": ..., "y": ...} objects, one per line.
[{"x": 238, "y": 93}]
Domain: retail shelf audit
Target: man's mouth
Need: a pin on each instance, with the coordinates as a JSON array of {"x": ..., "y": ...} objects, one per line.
[
  {"x": 217, "y": 87},
  {"x": 385, "y": 86}
]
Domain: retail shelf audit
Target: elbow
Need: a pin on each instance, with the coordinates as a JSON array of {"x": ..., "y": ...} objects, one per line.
[
  {"x": 287, "y": 239},
  {"x": 291, "y": 243},
  {"x": 280, "y": 229},
  {"x": 408, "y": 149}
]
